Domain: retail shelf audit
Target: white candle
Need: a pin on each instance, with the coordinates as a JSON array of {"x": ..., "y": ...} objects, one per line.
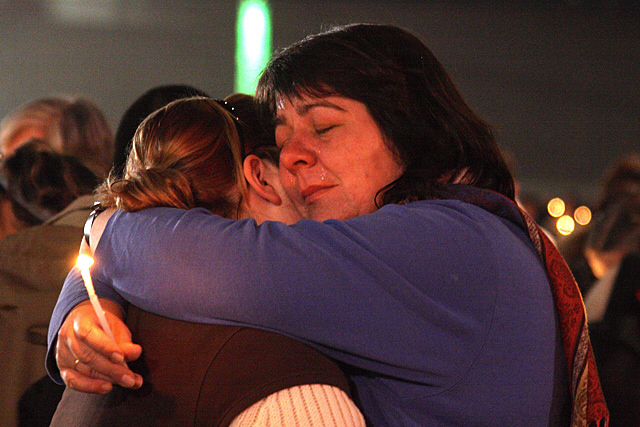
[{"x": 83, "y": 263}]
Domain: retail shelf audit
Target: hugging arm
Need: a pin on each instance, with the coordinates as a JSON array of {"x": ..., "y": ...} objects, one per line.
[
  {"x": 313, "y": 281},
  {"x": 79, "y": 352},
  {"x": 82, "y": 347}
]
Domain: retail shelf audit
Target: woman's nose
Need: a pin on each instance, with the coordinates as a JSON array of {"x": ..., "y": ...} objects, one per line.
[{"x": 297, "y": 154}]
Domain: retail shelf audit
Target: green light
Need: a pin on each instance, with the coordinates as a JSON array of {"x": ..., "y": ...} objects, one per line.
[{"x": 253, "y": 43}]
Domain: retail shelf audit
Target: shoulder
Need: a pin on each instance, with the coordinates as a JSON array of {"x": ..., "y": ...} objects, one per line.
[
  {"x": 439, "y": 210},
  {"x": 429, "y": 221},
  {"x": 98, "y": 226},
  {"x": 428, "y": 212}
]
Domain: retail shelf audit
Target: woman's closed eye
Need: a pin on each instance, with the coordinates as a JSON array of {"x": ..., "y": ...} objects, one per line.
[{"x": 322, "y": 130}]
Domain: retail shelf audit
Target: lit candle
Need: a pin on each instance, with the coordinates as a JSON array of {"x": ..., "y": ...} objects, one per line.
[{"x": 83, "y": 263}]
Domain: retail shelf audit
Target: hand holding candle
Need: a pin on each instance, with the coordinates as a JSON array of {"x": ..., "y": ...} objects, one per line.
[{"x": 83, "y": 263}]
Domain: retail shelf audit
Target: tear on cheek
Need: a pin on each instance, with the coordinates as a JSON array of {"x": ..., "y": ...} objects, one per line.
[{"x": 289, "y": 184}]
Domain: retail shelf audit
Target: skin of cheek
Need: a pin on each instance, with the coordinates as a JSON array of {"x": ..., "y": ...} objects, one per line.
[
  {"x": 373, "y": 179},
  {"x": 289, "y": 184},
  {"x": 359, "y": 188}
]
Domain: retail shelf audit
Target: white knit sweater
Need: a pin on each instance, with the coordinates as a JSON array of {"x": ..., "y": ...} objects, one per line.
[{"x": 315, "y": 405}]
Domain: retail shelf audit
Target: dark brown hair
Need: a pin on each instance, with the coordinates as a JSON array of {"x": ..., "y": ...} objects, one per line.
[
  {"x": 40, "y": 182},
  {"x": 437, "y": 137}
]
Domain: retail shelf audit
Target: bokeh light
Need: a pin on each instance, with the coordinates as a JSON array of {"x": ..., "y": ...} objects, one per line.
[
  {"x": 253, "y": 43},
  {"x": 565, "y": 225},
  {"x": 556, "y": 207},
  {"x": 582, "y": 215}
]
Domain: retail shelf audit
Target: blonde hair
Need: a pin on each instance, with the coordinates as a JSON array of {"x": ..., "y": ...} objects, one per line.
[
  {"x": 185, "y": 155},
  {"x": 72, "y": 126}
]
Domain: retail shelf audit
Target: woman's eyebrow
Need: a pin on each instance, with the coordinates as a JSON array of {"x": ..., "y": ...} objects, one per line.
[{"x": 304, "y": 109}]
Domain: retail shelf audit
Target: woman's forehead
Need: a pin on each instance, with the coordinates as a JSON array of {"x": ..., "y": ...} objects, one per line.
[{"x": 307, "y": 90}]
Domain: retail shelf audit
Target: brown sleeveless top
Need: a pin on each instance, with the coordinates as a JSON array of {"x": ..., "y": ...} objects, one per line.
[{"x": 206, "y": 375}]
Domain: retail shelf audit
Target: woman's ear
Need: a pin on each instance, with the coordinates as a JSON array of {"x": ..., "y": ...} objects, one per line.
[{"x": 260, "y": 174}]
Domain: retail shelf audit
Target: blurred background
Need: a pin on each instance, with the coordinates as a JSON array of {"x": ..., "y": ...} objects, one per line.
[{"x": 559, "y": 80}]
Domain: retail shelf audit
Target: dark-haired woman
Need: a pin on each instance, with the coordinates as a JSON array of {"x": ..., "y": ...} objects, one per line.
[{"x": 416, "y": 269}]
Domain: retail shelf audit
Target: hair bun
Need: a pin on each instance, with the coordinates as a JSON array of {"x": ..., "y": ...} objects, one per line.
[{"x": 154, "y": 187}]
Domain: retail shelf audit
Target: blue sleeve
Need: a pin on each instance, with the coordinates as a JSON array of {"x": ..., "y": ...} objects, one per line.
[
  {"x": 370, "y": 292},
  {"x": 360, "y": 289}
]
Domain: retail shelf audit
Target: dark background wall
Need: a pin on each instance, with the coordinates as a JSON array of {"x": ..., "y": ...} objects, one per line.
[{"x": 559, "y": 80}]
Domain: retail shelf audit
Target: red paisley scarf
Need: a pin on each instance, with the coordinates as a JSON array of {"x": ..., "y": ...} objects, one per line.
[{"x": 589, "y": 408}]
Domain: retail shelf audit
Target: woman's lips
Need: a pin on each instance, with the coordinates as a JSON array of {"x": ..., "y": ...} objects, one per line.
[{"x": 312, "y": 193}]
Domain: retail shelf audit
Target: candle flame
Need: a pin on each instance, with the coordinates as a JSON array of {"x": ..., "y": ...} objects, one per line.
[{"x": 84, "y": 261}]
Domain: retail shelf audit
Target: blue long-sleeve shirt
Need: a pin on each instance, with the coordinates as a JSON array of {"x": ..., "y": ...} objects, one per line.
[{"x": 441, "y": 311}]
